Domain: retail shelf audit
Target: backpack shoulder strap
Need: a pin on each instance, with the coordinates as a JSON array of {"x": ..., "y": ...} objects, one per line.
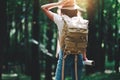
[
  {"x": 63, "y": 35},
  {"x": 65, "y": 24}
]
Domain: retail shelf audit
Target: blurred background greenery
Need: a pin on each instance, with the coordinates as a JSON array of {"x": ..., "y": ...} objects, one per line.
[{"x": 28, "y": 40}]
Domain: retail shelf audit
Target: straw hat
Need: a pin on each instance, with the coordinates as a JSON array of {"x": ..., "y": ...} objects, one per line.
[{"x": 70, "y": 4}]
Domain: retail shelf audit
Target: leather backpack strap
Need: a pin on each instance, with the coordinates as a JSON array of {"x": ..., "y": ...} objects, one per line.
[
  {"x": 63, "y": 35},
  {"x": 63, "y": 66},
  {"x": 57, "y": 47},
  {"x": 76, "y": 73}
]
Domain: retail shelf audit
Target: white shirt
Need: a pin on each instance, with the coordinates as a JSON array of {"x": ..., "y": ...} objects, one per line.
[{"x": 59, "y": 22}]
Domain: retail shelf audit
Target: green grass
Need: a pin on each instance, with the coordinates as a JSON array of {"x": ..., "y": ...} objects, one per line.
[
  {"x": 102, "y": 76},
  {"x": 108, "y": 75},
  {"x": 15, "y": 77},
  {"x": 95, "y": 76}
]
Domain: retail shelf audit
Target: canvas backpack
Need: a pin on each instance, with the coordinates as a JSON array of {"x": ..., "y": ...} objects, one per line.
[{"x": 74, "y": 37}]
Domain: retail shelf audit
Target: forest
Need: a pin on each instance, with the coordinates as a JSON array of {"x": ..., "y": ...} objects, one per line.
[{"x": 28, "y": 40}]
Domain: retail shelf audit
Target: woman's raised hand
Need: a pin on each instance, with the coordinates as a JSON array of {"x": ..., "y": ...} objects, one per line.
[{"x": 63, "y": 3}]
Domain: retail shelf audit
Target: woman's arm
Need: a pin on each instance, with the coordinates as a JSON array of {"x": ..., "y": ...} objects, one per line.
[
  {"x": 46, "y": 8},
  {"x": 84, "y": 55}
]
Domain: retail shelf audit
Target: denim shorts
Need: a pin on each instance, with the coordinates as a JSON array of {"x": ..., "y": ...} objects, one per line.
[{"x": 69, "y": 66}]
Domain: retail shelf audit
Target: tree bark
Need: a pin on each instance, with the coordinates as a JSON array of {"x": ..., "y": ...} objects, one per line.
[
  {"x": 117, "y": 40},
  {"x": 35, "y": 73},
  {"x": 49, "y": 62},
  {"x": 100, "y": 55},
  {"x": 91, "y": 36},
  {"x": 3, "y": 33}
]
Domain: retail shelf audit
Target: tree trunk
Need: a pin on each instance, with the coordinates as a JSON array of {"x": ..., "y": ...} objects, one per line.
[
  {"x": 3, "y": 33},
  {"x": 35, "y": 74},
  {"x": 91, "y": 36},
  {"x": 117, "y": 41},
  {"x": 100, "y": 55},
  {"x": 48, "y": 70},
  {"x": 49, "y": 62}
]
